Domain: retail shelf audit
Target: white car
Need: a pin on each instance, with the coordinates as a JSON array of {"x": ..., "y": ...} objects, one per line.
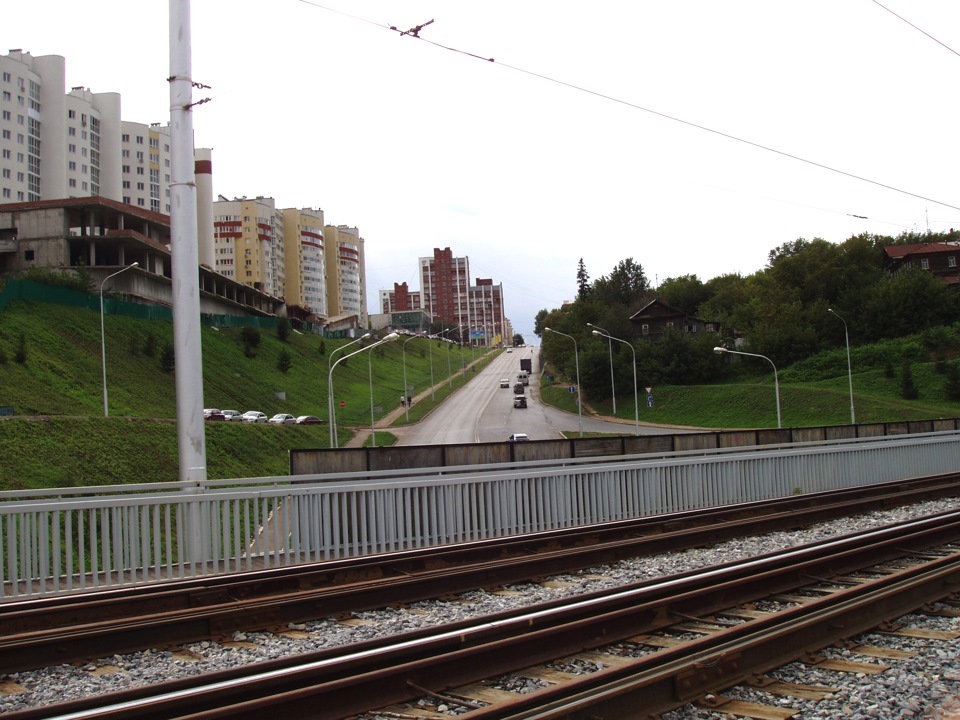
[
  {"x": 254, "y": 416},
  {"x": 504, "y": 382},
  {"x": 282, "y": 419},
  {"x": 232, "y": 415}
]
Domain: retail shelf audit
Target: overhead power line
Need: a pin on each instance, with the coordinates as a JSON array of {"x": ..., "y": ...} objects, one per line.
[{"x": 415, "y": 33}]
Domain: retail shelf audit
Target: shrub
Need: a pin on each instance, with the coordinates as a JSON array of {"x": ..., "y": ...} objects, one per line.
[
  {"x": 284, "y": 362},
  {"x": 283, "y": 329},
  {"x": 168, "y": 358},
  {"x": 952, "y": 385},
  {"x": 908, "y": 388},
  {"x": 250, "y": 337},
  {"x": 21, "y": 355},
  {"x": 150, "y": 345}
]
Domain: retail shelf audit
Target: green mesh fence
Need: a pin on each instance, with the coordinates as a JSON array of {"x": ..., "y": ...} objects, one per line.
[{"x": 18, "y": 289}]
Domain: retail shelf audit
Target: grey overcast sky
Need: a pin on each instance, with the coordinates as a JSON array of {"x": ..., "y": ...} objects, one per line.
[{"x": 692, "y": 135}]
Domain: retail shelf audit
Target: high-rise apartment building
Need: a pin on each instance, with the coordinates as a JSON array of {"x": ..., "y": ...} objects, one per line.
[
  {"x": 306, "y": 281},
  {"x": 248, "y": 243},
  {"x": 487, "y": 322},
  {"x": 448, "y": 297},
  {"x": 54, "y": 144},
  {"x": 400, "y": 299},
  {"x": 57, "y": 145},
  {"x": 444, "y": 280},
  {"x": 346, "y": 272},
  {"x": 145, "y": 165}
]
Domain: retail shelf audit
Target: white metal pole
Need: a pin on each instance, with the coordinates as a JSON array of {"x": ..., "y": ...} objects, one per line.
[
  {"x": 636, "y": 395},
  {"x": 846, "y": 335},
  {"x": 776, "y": 381},
  {"x": 184, "y": 253},
  {"x": 103, "y": 337},
  {"x": 576, "y": 358},
  {"x": 613, "y": 389},
  {"x": 331, "y": 406}
]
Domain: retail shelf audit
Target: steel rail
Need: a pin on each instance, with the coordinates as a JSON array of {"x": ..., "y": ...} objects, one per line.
[
  {"x": 375, "y": 674},
  {"x": 39, "y": 633}
]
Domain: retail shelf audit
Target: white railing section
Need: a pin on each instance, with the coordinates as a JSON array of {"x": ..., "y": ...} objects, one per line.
[{"x": 82, "y": 539}]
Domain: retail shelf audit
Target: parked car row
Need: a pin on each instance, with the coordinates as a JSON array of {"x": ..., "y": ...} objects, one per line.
[{"x": 255, "y": 416}]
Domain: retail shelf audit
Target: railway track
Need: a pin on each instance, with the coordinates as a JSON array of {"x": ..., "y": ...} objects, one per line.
[
  {"x": 655, "y": 645},
  {"x": 61, "y": 629}
]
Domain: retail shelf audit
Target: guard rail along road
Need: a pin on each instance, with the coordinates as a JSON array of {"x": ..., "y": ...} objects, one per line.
[{"x": 80, "y": 539}]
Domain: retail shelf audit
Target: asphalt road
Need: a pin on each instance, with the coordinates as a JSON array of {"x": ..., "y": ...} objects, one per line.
[{"x": 482, "y": 411}]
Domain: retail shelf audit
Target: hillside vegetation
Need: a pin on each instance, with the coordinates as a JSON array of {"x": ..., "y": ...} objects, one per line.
[
  {"x": 50, "y": 365},
  {"x": 51, "y": 377}
]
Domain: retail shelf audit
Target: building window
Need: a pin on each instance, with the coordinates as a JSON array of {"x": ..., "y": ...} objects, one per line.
[
  {"x": 28, "y": 255},
  {"x": 125, "y": 137},
  {"x": 951, "y": 261},
  {"x": 644, "y": 329},
  {"x": 72, "y": 182},
  {"x": 925, "y": 263}
]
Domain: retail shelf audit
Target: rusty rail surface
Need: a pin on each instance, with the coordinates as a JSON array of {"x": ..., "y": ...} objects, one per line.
[
  {"x": 921, "y": 564},
  {"x": 62, "y": 629}
]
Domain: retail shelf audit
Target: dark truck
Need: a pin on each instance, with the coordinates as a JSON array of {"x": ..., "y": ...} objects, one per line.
[{"x": 526, "y": 364}]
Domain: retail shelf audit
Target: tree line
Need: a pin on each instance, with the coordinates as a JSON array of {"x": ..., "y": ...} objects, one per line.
[{"x": 788, "y": 311}]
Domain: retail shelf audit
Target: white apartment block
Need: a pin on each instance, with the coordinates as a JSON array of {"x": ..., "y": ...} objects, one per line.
[
  {"x": 145, "y": 165},
  {"x": 56, "y": 144},
  {"x": 53, "y": 144},
  {"x": 306, "y": 281},
  {"x": 248, "y": 243}
]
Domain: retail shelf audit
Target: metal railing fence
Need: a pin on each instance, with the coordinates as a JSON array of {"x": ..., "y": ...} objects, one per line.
[{"x": 80, "y": 539}]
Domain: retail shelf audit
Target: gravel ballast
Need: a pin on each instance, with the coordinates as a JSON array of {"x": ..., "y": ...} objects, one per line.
[{"x": 920, "y": 687}]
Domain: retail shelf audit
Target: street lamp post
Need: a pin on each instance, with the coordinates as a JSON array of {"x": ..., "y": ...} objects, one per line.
[
  {"x": 776, "y": 383},
  {"x": 636, "y": 397},
  {"x": 331, "y": 408},
  {"x": 103, "y": 342},
  {"x": 433, "y": 391},
  {"x": 576, "y": 358},
  {"x": 449, "y": 367},
  {"x": 613, "y": 389},
  {"x": 333, "y": 419},
  {"x": 403, "y": 353},
  {"x": 846, "y": 335},
  {"x": 373, "y": 427}
]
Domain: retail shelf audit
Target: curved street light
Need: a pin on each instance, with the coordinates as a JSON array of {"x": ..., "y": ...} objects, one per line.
[
  {"x": 449, "y": 366},
  {"x": 636, "y": 403},
  {"x": 403, "y": 352},
  {"x": 331, "y": 409},
  {"x": 433, "y": 390},
  {"x": 846, "y": 335},
  {"x": 333, "y": 419},
  {"x": 776, "y": 383},
  {"x": 576, "y": 357},
  {"x": 613, "y": 389},
  {"x": 103, "y": 342}
]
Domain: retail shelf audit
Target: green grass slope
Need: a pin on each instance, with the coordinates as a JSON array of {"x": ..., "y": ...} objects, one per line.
[{"x": 58, "y": 435}]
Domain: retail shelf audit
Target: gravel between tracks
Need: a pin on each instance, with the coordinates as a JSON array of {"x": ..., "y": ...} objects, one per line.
[{"x": 921, "y": 687}]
